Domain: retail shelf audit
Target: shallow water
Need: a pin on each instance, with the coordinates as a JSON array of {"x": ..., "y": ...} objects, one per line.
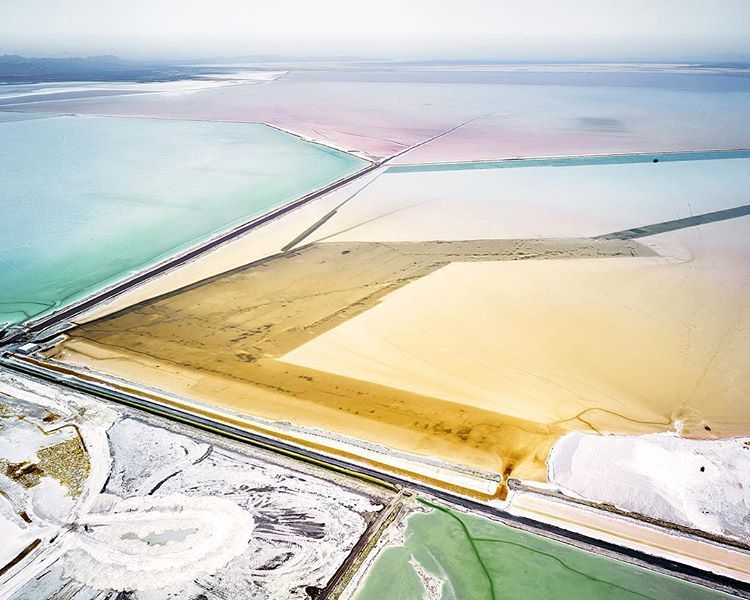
[
  {"x": 467, "y": 556},
  {"x": 515, "y": 115},
  {"x": 446, "y": 201},
  {"x": 572, "y": 161},
  {"x": 90, "y": 200}
]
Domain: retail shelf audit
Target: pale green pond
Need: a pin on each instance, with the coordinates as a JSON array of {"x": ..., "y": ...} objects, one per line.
[{"x": 454, "y": 556}]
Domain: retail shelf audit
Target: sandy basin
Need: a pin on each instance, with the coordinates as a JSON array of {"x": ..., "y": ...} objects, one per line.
[
  {"x": 628, "y": 345},
  {"x": 478, "y": 351},
  {"x": 265, "y": 311},
  {"x": 481, "y": 352}
]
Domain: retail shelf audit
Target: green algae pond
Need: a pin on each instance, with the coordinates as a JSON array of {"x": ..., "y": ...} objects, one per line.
[
  {"x": 451, "y": 555},
  {"x": 88, "y": 201}
]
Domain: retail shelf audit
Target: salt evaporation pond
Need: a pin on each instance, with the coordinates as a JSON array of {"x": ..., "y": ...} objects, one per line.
[
  {"x": 88, "y": 201},
  {"x": 448, "y": 554},
  {"x": 504, "y": 114}
]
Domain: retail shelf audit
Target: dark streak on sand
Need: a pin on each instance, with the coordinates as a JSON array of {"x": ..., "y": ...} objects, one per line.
[
  {"x": 19, "y": 557},
  {"x": 694, "y": 221}
]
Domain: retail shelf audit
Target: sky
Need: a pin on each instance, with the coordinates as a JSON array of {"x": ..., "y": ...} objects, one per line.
[{"x": 392, "y": 29}]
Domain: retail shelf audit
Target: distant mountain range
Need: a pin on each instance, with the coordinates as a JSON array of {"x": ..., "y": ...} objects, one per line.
[{"x": 20, "y": 69}]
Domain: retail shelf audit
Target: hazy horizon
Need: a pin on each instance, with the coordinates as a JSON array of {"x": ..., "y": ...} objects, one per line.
[{"x": 538, "y": 30}]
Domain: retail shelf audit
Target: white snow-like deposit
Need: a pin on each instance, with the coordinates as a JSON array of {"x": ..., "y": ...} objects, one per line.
[
  {"x": 48, "y": 504},
  {"x": 20, "y": 440},
  {"x": 154, "y": 542},
  {"x": 702, "y": 484},
  {"x": 37, "y": 92},
  {"x": 15, "y": 537},
  {"x": 51, "y": 501},
  {"x": 168, "y": 512},
  {"x": 432, "y": 584}
]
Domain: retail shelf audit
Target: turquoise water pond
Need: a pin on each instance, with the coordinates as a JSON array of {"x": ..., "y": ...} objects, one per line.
[
  {"x": 87, "y": 201},
  {"x": 571, "y": 161}
]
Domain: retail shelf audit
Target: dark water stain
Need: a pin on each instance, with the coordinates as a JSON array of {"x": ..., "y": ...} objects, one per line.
[
  {"x": 601, "y": 124},
  {"x": 25, "y": 473}
]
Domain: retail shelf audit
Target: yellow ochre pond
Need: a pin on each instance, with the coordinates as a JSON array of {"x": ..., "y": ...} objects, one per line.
[{"x": 480, "y": 352}]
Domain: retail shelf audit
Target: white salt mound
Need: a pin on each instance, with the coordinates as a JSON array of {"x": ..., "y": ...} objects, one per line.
[{"x": 703, "y": 484}]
